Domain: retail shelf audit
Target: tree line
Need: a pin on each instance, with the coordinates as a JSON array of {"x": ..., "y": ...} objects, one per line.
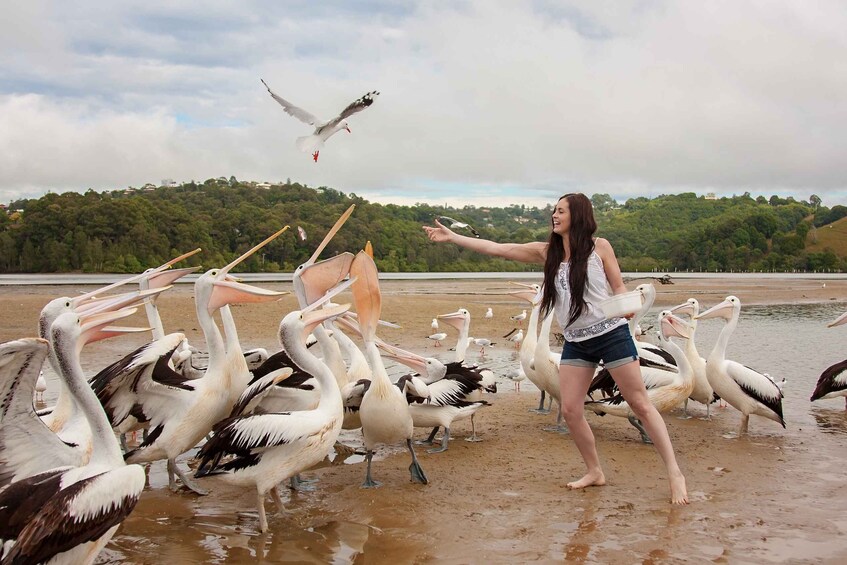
[{"x": 128, "y": 231}]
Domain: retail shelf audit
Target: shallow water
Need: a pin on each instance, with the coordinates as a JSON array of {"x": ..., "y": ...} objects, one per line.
[{"x": 801, "y": 484}]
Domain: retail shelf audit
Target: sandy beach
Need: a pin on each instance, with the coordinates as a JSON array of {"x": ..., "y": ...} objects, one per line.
[{"x": 769, "y": 497}]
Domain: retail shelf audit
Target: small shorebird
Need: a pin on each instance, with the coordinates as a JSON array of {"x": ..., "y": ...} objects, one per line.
[
  {"x": 437, "y": 338},
  {"x": 519, "y": 318},
  {"x": 489, "y": 314}
]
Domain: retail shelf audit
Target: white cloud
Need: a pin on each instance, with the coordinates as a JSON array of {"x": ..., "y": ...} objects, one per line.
[{"x": 492, "y": 99}]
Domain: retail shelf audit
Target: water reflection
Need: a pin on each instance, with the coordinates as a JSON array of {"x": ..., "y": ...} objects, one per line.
[{"x": 831, "y": 421}]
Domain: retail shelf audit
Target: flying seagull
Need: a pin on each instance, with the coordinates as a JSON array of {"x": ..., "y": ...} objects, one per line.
[
  {"x": 457, "y": 224},
  {"x": 323, "y": 129}
]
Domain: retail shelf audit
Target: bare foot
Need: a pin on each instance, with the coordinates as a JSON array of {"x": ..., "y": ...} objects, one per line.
[
  {"x": 679, "y": 494},
  {"x": 592, "y": 479}
]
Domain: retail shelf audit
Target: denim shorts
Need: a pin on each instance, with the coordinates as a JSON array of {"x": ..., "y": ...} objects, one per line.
[{"x": 614, "y": 348}]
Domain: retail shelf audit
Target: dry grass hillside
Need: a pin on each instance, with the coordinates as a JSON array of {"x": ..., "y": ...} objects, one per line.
[{"x": 832, "y": 236}]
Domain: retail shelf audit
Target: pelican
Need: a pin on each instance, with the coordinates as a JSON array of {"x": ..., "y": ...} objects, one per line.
[
  {"x": 833, "y": 381},
  {"x": 519, "y": 318},
  {"x": 526, "y": 353},
  {"x": 384, "y": 411},
  {"x": 447, "y": 395},
  {"x": 67, "y": 514},
  {"x": 546, "y": 365},
  {"x": 266, "y": 449},
  {"x": 702, "y": 391},
  {"x": 461, "y": 320},
  {"x": 747, "y": 390},
  {"x": 323, "y": 129},
  {"x": 650, "y": 353},
  {"x": 181, "y": 416},
  {"x": 665, "y": 396}
]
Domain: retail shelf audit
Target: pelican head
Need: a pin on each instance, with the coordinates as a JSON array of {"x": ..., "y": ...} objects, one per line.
[{"x": 723, "y": 310}]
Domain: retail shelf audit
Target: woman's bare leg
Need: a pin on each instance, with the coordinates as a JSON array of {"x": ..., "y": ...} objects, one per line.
[
  {"x": 573, "y": 386},
  {"x": 631, "y": 385}
]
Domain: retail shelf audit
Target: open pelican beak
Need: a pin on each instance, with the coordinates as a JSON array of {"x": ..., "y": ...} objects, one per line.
[
  {"x": 227, "y": 290},
  {"x": 674, "y": 326},
  {"x": 366, "y": 294},
  {"x": 96, "y": 326},
  {"x": 309, "y": 287},
  {"x": 83, "y": 298}
]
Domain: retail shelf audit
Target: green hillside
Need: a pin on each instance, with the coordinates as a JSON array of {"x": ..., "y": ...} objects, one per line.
[{"x": 129, "y": 230}]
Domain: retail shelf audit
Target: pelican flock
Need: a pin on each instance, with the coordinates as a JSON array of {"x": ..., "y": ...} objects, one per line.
[{"x": 256, "y": 418}]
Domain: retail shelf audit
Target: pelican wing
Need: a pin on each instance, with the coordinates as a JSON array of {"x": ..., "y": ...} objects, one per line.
[
  {"x": 833, "y": 379},
  {"x": 67, "y": 517},
  {"x": 756, "y": 385},
  {"x": 27, "y": 445},
  {"x": 247, "y": 437},
  {"x": 121, "y": 387},
  {"x": 291, "y": 109},
  {"x": 258, "y": 390}
]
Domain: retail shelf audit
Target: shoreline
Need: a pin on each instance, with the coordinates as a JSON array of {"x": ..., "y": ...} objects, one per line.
[{"x": 504, "y": 500}]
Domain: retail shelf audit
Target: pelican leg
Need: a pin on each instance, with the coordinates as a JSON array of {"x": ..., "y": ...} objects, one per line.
[
  {"x": 431, "y": 439},
  {"x": 473, "y": 437},
  {"x": 745, "y": 419},
  {"x": 298, "y": 483},
  {"x": 263, "y": 519},
  {"x": 638, "y": 426},
  {"x": 560, "y": 426},
  {"x": 415, "y": 469},
  {"x": 123, "y": 443},
  {"x": 444, "y": 439},
  {"x": 369, "y": 482},
  {"x": 190, "y": 484},
  {"x": 540, "y": 409},
  {"x": 685, "y": 414},
  {"x": 277, "y": 500}
]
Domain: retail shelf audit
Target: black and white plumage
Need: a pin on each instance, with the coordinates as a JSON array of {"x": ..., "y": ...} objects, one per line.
[
  {"x": 262, "y": 450},
  {"x": 323, "y": 129},
  {"x": 67, "y": 514},
  {"x": 184, "y": 415},
  {"x": 384, "y": 411},
  {"x": 745, "y": 389},
  {"x": 833, "y": 381}
]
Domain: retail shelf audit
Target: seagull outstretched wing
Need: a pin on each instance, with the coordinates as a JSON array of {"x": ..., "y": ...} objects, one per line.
[
  {"x": 354, "y": 107},
  {"x": 293, "y": 110}
]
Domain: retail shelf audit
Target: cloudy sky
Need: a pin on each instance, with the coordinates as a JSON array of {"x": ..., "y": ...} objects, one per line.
[{"x": 482, "y": 101}]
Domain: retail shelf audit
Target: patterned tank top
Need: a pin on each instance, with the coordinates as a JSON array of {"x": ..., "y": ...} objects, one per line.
[{"x": 591, "y": 322}]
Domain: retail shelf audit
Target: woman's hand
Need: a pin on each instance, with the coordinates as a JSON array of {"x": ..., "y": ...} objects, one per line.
[{"x": 439, "y": 233}]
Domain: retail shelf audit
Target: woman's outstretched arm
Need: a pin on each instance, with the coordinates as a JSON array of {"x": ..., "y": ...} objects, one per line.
[{"x": 533, "y": 252}]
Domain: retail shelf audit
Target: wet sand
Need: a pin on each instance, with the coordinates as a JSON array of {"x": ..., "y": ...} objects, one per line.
[{"x": 775, "y": 496}]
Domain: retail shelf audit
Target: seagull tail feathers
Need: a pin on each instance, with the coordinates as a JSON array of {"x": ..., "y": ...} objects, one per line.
[{"x": 309, "y": 143}]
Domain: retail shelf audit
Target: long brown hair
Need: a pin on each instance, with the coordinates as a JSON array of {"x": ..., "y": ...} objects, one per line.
[{"x": 580, "y": 244}]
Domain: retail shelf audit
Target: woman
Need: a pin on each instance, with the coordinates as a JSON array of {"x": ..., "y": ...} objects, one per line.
[{"x": 579, "y": 270}]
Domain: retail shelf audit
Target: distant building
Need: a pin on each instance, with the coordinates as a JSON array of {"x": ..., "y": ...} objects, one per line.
[{"x": 265, "y": 185}]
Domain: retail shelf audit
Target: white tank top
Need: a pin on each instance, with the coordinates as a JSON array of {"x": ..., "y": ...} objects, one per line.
[{"x": 591, "y": 322}]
